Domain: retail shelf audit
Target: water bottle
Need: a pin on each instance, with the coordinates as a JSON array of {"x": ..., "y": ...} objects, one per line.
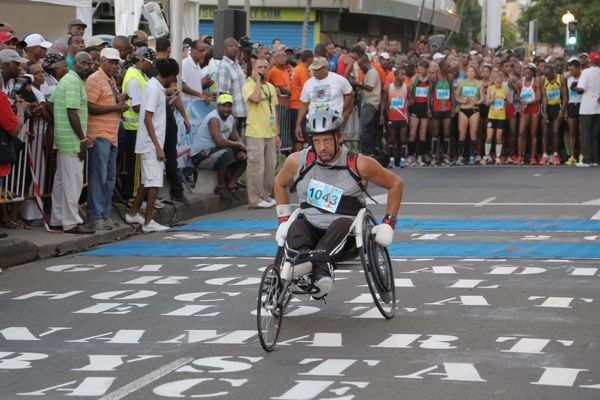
[{"x": 391, "y": 164}]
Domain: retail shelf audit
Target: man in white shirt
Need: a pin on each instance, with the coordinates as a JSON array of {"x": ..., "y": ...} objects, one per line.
[
  {"x": 150, "y": 142},
  {"x": 191, "y": 72},
  {"x": 589, "y": 111},
  {"x": 324, "y": 90}
]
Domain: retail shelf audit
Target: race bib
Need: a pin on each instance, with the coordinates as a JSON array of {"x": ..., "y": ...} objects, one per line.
[
  {"x": 324, "y": 196},
  {"x": 468, "y": 91},
  {"x": 498, "y": 104},
  {"x": 573, "y": 93},
  {"x": 553, "y": 94},
  {"x": 443, "y": 94},
  {"x": 421, "y": 91},
  {"x": 527, "y": 95},
  {"x": 397, "y": 103}
]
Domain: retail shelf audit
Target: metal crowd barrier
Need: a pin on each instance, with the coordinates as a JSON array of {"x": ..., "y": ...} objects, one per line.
[{"x": 284, "y": 119}]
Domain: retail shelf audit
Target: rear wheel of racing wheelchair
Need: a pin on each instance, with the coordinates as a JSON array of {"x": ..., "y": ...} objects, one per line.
[
  {"x": 378, "y": 269},
  {"x": 268, "y": 310}
]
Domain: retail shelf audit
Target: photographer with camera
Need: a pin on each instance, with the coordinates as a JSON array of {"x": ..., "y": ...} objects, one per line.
[{"x": 11, "y": 123}]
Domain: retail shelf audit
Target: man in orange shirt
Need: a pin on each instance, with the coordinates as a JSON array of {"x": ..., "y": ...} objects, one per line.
[
  {"x": 301, "y": 75},
  {"x": 278, "y": 76},
  {"x": 105, "y": 106}
]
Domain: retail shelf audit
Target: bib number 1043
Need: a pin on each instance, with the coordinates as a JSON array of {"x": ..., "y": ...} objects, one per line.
[{"x": 324, "y": 196}]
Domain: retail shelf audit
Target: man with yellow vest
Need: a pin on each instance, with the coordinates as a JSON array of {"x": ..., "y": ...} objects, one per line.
[{"x": 133, "y": 84}]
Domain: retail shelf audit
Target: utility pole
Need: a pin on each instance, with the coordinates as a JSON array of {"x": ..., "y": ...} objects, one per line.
[
  {"x": 307, "y": 11},
  {"x": 247, "y": 10}
]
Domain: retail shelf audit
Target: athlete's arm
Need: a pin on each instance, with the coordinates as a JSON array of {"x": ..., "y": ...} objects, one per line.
[
  {"x": 372, "y": 171},
  {"x": 285, "y": 178}
]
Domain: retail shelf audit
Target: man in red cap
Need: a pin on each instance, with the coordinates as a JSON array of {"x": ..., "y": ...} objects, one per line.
[
  {"x": 8, "y": 40},
  {"x": 589, "y": 111}
]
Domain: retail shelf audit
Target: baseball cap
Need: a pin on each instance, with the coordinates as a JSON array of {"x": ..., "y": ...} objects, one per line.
[
  {"x": 318, "y": 63},
  {"x": 583, "y": 54},
  {"x": 473, "y": 52},
  {"x": 6, "y": 37},
  {"x": 594, "y": 57},
  {"x": 77, "y": 22},
  {"x": 10, "y": 55},
  {"x": 96, "y": 41},
  {"x": 35, "y": 39},
  {"x": 573, "y": 61},
  {"x": 438, "y": 56},
  {"x": 225, "y": 98},
  {"x": 51, "y": 59},
  {"x": 385, "y": 55},
  {"x": 145, "y": 52},
  {"x": 110, "y": 54}
]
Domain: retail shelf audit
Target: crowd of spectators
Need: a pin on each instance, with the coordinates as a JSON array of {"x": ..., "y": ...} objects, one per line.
[{"x": 112, "y": 107}]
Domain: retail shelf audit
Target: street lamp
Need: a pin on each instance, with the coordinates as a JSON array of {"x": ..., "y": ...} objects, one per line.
[{"x": 568, "y": 17}]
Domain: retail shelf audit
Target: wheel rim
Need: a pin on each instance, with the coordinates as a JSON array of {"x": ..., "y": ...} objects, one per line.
[
  {"x": 268, "y": 308},
  {"x": 378, "y": 271}
]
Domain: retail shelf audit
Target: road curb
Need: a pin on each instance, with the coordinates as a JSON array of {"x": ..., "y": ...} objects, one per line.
[{"x": 15, "y": 252}]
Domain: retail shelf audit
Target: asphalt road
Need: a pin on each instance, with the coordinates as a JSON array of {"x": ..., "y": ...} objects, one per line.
[{"x": 497, "y": 276}]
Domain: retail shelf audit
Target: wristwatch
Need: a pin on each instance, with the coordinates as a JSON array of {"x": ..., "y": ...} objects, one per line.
[{"x": 390, "y": 220}]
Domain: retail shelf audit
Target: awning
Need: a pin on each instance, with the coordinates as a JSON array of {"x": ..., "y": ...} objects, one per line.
[
  {"x": 407, "y": 9},
  {"x": 73, "y": 3}
]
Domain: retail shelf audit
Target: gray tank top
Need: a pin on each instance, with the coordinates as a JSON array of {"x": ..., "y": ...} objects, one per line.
[{"x": 339, "y": 178}]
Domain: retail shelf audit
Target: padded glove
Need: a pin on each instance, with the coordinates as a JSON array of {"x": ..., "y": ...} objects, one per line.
[
  {"x": 384, "y": 234},
  {"x": 281, "y": 233}
]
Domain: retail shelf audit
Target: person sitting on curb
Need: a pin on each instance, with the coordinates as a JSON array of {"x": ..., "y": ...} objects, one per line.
[{"x": 217, "y": 146}]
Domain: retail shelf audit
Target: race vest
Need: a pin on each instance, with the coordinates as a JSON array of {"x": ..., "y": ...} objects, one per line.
[{"x": 130, "y": 117}]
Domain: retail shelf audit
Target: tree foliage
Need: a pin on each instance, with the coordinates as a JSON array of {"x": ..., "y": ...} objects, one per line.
[
  {"x": 470, "y": 28},
  {"x": 548, "y": 14},
  {"x": 510, "y": 35}
]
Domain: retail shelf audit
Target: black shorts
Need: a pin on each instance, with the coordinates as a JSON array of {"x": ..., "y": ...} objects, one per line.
[
  {"x": 496, "y": 123},
  {"x": 397, "y": 124},
  {"x": 573, "y": 110},
  {"x": 552, "y": 111},
  {"x": 216, "y": 158},
  {"x": 469, "y": 112},
  {"x": 419, "y": 110},
  {"x": 293, "y": 118},
  {"x": 442, "y": 114}
]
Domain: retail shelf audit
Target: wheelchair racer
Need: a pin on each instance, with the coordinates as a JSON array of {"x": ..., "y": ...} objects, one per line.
[{"x": 330, "y": 182}]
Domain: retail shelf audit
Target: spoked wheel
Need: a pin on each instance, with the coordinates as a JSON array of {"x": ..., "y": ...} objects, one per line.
[
  {"x": 378, "y": 270},
  {"x": 268, "y": 310}
]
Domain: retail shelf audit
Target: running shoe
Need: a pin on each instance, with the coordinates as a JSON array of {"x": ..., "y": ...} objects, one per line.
[
  {"x": 544, "y": 161},
  {"x": 478, "y": 159},
  {"x": 498, "y": 161},
  {"x": 514, "y": 159},
  {"x": 460, "y": 161},
  {"x": 325, "y": 284},
  {"x": 134, "y": 219},
  {"x": 420, "y": 162},
  {"x": 154, "y": 226},
  {"x": 533, "y": 161},
  {"x": 571, "y": 161},
  {"x": 581, "y": 158},
  {"x": 410, "y": 162},
  {"x": 518, "y": 161},
  {"x": 433, "y": 162},
  {"x": 447, "y": 160},
  {"x": 471, "y": 160},
  {"x": 556, "y": 159},
  {"x": 582, "y": 164},
  {"x": 402, "y": 163},
  {"x": 486, "y": 160}
]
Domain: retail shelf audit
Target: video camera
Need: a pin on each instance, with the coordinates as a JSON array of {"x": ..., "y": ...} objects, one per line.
[
  {"x": 20, "y": 87},
  {"x": 246, "y": 45}
]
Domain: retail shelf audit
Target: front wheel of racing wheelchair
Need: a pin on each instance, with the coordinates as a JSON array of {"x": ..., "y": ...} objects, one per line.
[{"x": 280, "y": 281}]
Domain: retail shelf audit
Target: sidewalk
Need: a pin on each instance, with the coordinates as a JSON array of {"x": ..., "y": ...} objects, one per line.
[{"x": 23, "y": 246}]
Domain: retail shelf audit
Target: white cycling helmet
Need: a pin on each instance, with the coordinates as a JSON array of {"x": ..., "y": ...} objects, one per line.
[{"x": 326, "y": 120}]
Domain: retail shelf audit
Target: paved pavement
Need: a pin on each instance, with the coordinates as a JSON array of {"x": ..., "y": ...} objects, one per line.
[{"x": 170, "y": 315}]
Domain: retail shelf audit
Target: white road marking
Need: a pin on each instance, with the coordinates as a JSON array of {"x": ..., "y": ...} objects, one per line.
[
  {"x": 596, "y": 216},
  {"x": 382, "y": 199},
  {"x": 485, "y": 202},
  {"x": 147, "y": 379}
]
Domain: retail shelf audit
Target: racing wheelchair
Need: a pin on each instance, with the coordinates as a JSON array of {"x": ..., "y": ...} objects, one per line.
[{"x": 290, "y": 276}]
